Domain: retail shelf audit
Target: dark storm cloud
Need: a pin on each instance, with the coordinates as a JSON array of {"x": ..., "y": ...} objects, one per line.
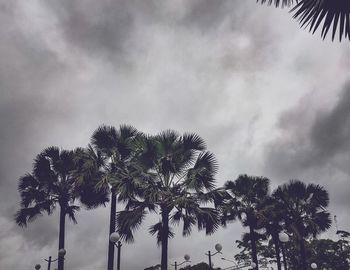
[
  {"x": 111, "y": 29},
  {"x": 98, "y": 27},
  {"x": 330, "y": 134},
  {"x": 312, "y": 137},
  {"x": 27, "y": 112}
]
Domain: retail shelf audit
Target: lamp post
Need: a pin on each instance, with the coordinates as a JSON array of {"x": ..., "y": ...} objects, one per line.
[
  {"x": 284, "y": 238},
  {"x": 218, "y": 249},
  {"x": 61, "y": 254},
  {"x": 187, "y": 259},
  {"x": 115, "y": 239}
]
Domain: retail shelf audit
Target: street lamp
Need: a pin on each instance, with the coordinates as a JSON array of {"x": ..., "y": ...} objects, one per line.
[
  {"x": 218, "y": 249},
  {"x": 61, "y": 254},
  {"x": 284, "y": 238},
  {"x": 313, "y": 265},
  {"x": 187, "y": 259},
  {"x": 115, "y": 239}
]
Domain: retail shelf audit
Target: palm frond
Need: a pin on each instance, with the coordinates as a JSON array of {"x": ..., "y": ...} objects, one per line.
[
  {"x": 192, "y": 141},
  {"x": 201, "y": 176},
  {"x": 26, "y": 215},
  {"x": 92, "y": 198},
  {"x": 320, "y": 222},
  {"x": 129, "y": 221},
  {"x": 166, "y": 141},
  {"x": 70, "y": 210},
  {"x": 208, "y": 219},
  {"x": 157, "y": 229},
  {"x": 27, "y": 181},
  {"x": 127, "y": 132},
  {"x": 319, "y": 197},
  {"x": 42, "y": 169},
  {"x": 313, "y": 13},
  {"x": 278, "y": 3},
  {"x": 105, "y": 138}
]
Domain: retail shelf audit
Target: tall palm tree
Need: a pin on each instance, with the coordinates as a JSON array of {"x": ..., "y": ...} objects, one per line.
[
  {"x": 177, "y": 177},
  {"x": 312, "y": 13},
  {"x": 51, "y": 184},
  {"x": 247, "y": 194},
  {"x": 107, "y": 163},
  {"x": 305, "y": 211},
  {"x": 271, "y": 217}
]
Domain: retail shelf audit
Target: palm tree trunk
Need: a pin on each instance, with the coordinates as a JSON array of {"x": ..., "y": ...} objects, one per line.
[
  {"x": 61, "y": 236},
  {"x": 254, "y": 253},
  {"x": 277, "y": 250},
  {"x": 112, "y": 229},
  {"x": 165, "y": 239},
  {"x": 284, "y": 256},
  {"x": 302, "y": 254}
]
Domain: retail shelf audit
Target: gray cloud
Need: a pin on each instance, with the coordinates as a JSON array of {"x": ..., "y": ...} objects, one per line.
[
  {"x": 227, "y": 70},
  {"x": 312, "y": 136},
  {"x": 330, "y": 133}
]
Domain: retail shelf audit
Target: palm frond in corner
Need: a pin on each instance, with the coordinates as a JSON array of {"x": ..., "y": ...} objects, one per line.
[{"x": 330, "y": 14}]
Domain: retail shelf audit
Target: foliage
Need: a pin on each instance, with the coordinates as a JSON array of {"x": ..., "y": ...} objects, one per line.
[
  {"x": 199, "y": 266},
  {"x": 329, "y": 254},
  {"x": 51, "y": 183},
  {"x": 305, "y": 207},
  {"x": 333, "y": 14},
  {"x": 247, "y": 196}
]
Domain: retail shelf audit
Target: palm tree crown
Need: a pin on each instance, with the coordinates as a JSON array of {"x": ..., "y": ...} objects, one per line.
[
  {"x": 247, "y": 194},
  {"x": 176, "y": 175},
  {"x": 106, "y": 165},
  {"x": 305, "y": 211},
  {"x": 53, "y": 183}
]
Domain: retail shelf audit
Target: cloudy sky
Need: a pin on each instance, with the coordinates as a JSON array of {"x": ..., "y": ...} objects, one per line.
[{"x": 268, "y": 98}]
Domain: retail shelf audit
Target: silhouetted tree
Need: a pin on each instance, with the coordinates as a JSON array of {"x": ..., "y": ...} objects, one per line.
[
  {"x": 270, "y": 218},
  {"x": 305, "y": 212},
  {"x": 52, "y": 183},
  {"x": 247, "y": 196},
  {"x": 178, "y": 177},
  {"x": 107, "y": 163},
  {"x": 329, "y": 254}
]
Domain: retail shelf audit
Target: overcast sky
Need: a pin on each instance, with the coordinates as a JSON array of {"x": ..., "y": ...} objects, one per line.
[{"x": 268, "y": 98}]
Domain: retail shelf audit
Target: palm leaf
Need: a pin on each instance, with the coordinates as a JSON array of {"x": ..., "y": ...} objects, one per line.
[
  {"x": 70, "y": 211},
  {"x": 105, "y": 139},
  {"x": 277, "y": 3},
  {"x": 129, "y": 221},
  {"x": 208, "y": 219},
  {"x": 313, "y": 13},
  {"x": 201, "y": 176},
  {"x": 192, "y": 141},
  {"x": 157, "y": 229}
]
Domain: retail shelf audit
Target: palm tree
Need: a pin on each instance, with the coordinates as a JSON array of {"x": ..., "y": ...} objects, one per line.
[
  {"x": 107, "y": 163},
  {"x": 177, "y": 177},
  {"x": 271, "y": 217},
  {"x": 52, "y": 183},
  {"x": 247, "y": 193},
  {"x": 313, "y": 12},
  {"x": 305, "y": 211}
]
